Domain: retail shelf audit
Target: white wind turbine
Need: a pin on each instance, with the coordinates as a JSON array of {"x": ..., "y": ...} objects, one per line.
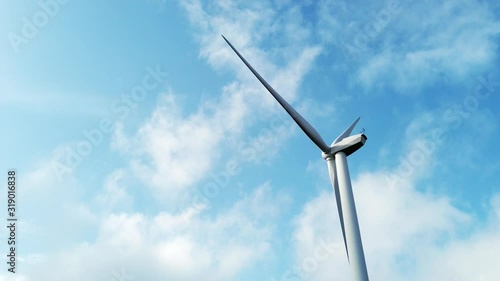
[{"x": 336, "y": 158}]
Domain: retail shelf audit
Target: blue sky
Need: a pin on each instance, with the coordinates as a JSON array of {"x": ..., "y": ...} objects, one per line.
[{"x": 147, "y": 151}]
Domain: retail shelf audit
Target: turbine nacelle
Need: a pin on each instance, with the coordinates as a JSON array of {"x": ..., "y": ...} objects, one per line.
[{"x": 347, "y": 145}]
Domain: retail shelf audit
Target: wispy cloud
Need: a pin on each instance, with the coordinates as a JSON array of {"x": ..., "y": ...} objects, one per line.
[
  {"x": 393, "y": 47},
  {"x": 416, "y": 50}
]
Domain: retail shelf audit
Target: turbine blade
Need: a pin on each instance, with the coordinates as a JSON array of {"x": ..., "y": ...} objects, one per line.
[
  {"x": 346, "y": 133},
  {"x": 303, "y": 124},
  {"x": 332, "y": 171}
]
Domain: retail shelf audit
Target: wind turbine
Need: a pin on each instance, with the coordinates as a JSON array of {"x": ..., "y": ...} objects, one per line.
[{"x": 336, "y": 159}]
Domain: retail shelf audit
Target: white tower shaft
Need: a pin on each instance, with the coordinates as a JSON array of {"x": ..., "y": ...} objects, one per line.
[{"x": 352, "y": 232}]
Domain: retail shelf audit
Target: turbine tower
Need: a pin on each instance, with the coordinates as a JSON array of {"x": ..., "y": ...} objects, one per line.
[{"x": 336, "y": 159}]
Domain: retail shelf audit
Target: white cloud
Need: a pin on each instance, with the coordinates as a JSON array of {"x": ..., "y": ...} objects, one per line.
[
  {"x": 403, "y": 230},
  {"x": 428, "y": 47},
  {"x": 172, "y": 152},
  {"x": 400, "y": 49},
  {"x": 471, "y": 258},
  {"x": 183, "y": 246},
  {"x": 114, "y": 194}
]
